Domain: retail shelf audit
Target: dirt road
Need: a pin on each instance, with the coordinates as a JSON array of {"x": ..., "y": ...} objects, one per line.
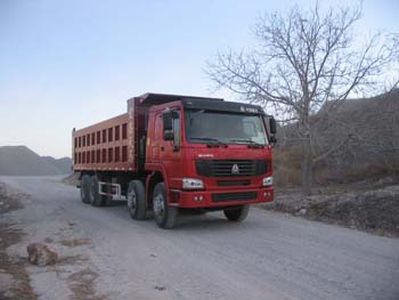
[{"x": 106, "y": 255}]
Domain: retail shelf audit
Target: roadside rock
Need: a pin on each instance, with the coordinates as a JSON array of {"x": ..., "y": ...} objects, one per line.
[
  {"x": 41, "y": 255},
  {"x": 301, "y": 212},
  {"x": 159, "y": 287}
]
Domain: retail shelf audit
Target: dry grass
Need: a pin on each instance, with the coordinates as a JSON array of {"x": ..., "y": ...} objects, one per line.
[
  {"x": 287, "y": 167},
  {"x": 287, "y": 170}
]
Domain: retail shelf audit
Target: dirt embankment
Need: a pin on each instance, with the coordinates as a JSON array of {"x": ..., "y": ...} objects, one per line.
[
  {"x": 72, "y": 179},
  {"x": 372, "y": 207},
  {"x": 14, "y": 280}
]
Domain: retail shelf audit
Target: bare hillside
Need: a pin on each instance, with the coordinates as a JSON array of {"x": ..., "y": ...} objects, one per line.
[
  {"x": 21, "y": 161},
  {"x": 364, "y": 134}
]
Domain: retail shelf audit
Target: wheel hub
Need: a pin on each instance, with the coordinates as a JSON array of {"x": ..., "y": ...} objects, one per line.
[
  {"x": 159, "y": 206},
  {"x": 132, "y": 200}
]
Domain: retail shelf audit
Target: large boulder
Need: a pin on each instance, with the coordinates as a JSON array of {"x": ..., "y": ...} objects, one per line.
[{"x": 41, "y": 255}]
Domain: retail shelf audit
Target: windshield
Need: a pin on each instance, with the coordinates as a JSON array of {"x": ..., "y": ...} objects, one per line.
[{"x": 224, "y": 127}]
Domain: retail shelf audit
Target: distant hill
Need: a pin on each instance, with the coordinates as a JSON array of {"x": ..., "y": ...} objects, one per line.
[
  {"x": 21, "y": 161},
  {"x": 64, "y": 164}
]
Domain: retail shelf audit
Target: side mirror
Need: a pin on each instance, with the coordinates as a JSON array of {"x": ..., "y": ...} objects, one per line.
[
  {"x": 168, "y": 135},
  {"x": 273, "y": 125},
  {"x": 174, "y": 114},
  {"x": 170, "y": 132}
]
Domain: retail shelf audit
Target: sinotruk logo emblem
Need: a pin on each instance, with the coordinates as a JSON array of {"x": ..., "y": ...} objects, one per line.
[{"x": 235, "y": 169}]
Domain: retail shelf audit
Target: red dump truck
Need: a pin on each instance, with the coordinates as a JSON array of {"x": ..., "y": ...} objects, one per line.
[{"x": 171, "y": 154}]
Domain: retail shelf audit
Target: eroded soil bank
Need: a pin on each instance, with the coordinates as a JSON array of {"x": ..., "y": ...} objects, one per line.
[{"x": 367, "y": 206}]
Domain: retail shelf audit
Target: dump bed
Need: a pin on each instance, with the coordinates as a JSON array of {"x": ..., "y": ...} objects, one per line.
[{"x": 103, "y": 146}]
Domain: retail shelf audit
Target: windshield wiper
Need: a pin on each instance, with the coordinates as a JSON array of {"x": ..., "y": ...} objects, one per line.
[
  {"x": 210, "y": 141},
  {"x": 249, "y": 142}
]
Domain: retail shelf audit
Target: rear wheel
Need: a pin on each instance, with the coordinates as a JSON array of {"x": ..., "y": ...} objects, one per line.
[
  {"x": 164, "y": 215},
  {"x": 85, "y": 189},
  {"x": 236, "y": 214},
  {"x": 136, "y": 203},
  {"x": 95, "y": 198}
]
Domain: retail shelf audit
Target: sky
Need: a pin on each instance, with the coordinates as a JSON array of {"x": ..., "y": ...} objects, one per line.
[{"x": 66, "y": 64}]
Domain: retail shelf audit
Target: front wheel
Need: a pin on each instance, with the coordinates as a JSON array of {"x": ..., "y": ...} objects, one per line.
[
  {"x": 164, "y": 215},
  {"x": 236, "y": 214}
]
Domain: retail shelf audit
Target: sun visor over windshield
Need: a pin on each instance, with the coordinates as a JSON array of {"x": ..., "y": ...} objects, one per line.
[{"x": 222, "y": 106}]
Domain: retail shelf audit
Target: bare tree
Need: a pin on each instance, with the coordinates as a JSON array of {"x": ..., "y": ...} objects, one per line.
[{"x": 303, "y": 60}]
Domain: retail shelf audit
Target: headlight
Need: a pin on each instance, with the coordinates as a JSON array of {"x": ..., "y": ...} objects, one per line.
[
  {"x": 192, "y": 184},
  {"x": 267, "y": 181}
]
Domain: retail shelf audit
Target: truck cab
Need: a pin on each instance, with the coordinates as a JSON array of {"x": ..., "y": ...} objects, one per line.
[{"x": 213, "y": 155}]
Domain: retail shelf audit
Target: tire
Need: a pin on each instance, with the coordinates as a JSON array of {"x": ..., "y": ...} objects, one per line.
[
  {"x": 164, "y": 215},
  {"x": 237, "y": 214},
  {"x": 136, "y": 203},
  {"x": 85, "y": 189},
  {"x": 95, "y": 198}
]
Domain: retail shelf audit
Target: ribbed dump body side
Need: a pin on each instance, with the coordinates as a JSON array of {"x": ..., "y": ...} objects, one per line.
[{"x": 105, "y": 146}]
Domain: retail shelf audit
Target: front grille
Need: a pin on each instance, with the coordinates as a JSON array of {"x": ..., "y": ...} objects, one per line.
[
  {"x": 233, "y": 182},
  {"x": 234, "y": 196},
  {"x": 227, "y": 168}
]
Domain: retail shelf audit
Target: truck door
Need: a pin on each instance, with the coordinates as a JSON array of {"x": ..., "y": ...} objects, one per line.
[
  {"x": 170, "y": 152},
  {"x": 156, "y": 140}
]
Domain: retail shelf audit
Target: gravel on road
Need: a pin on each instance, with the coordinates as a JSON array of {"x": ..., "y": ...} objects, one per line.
[{"x": 104, "y": 254}]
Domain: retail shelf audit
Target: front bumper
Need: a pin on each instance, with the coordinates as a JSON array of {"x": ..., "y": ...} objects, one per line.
[{"x": 208, "y": 199}]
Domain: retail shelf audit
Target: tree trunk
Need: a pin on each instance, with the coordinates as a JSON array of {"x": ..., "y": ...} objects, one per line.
[{"x": 307, "y": 166}]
